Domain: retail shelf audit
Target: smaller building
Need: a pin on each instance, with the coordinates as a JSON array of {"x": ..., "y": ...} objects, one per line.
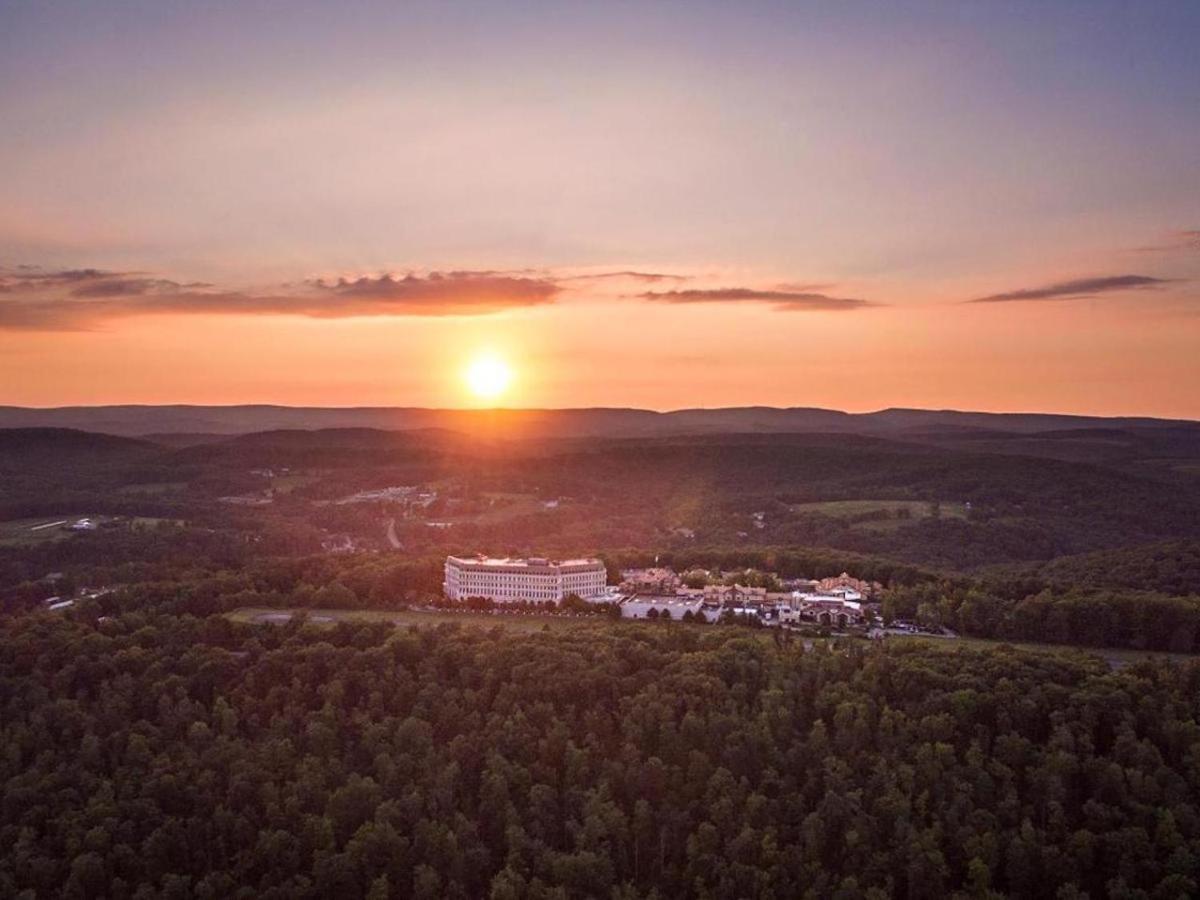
[
  {"x": 338, "y": 543},
  {"x": 822, "y": 609},
  {"x": 657, "y": 580},
  {"x": 846, "y": 580},
  {"x": 848, "y": 594},
  {"x": 393, "y": 494},
  {"x": 664, "y": 607},
  {"x": 734, "y": 595},
  {"x": 805, "y": 585}
]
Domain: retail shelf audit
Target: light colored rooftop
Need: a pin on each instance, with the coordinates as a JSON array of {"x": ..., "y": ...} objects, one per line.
[
  {"x": 506, "y": 562},
  {"x": 663, "y": 601}
]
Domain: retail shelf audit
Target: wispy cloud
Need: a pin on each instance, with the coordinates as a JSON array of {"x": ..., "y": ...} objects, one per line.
[
  {"x": 87, "y": 282},
  {"x": 1077, "y": 288},
  {"x": 627, "y": 275},
  {"x": 134, "y": 287},
  {"x": 1188, "y": 239},
  {"x": 85, "y": 298},
  {"x": 438, "y": 293},
  {"x": 784, "y": 301},
  {"x": 31, "y": 278}
]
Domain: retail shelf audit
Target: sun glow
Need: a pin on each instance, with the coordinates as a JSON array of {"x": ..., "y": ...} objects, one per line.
[{"x": 488, "y": 377}]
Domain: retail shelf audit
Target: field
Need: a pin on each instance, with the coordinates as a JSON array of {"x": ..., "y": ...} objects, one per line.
[
  {"x": 140, "y": 522},
  {"x": 881, "y": 515},
  {"x": 27, "y": 532},
  {"x": 285, "y": 484},
  {"x": 1116, "y": 658},
  {"x": 501, "y": 507},
  {"x": 23, "y": 532},
  {"x": 420, "y": 618},
  {"x": 154, "y": 488}
]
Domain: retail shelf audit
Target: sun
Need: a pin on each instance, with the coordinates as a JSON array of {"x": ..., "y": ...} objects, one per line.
[{"x": 488, "y": 377}]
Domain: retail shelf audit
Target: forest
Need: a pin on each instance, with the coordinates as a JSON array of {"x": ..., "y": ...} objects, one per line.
[
  {"x": 1085, "y": 601},
  {"x": 950, "y": 505},
  {"x": 164, "y": 756},
  {"x": 153, "y": 745}
]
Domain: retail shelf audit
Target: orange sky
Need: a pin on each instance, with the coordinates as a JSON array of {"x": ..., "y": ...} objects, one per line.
[
  {"x": 1098, "y": 358},
  {"x": 847, "y": 206}
]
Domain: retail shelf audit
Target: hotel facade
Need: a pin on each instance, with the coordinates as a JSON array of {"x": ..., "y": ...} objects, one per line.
[{"x": 514, "y": 580}]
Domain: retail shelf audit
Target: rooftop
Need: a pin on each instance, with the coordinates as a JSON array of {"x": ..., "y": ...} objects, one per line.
[{"x": 505, "y": 562}]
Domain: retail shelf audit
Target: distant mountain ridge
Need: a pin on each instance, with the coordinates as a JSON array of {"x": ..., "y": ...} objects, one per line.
[
  {"x": 136, "y": 421},
  {"x": 38, "y": 447}
]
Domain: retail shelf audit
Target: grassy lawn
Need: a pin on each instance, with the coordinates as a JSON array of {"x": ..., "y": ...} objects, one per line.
[
  {"x": 846, "y": 509},
  {"x": 1116, "y": 657},
  {"x": 27, "y": 532},
  {"x": 285, "y": 484},
  {"x": 850, "y": 509},
  {"x": 154, "y": 488},
  {"x": 138, "y": 522},
  {"x": 421, "y": 618},
  {"x": 24, "y": 532},
  {"x": 501, "y": 508}
]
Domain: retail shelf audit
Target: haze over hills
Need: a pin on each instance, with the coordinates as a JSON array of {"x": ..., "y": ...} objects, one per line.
[{"x": 134, "y": 420}]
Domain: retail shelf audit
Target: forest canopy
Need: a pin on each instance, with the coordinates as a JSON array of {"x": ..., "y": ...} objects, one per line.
[{"x": 151, "y": 755}]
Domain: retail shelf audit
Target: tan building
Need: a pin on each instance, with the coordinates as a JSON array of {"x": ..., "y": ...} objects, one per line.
[
  {"x": 828, "y": 611},
  {"x": 734, "y": 595},
  {"x": 659, "y": 581},
  {"x": 846, "y": 580},
  {"x": 514, "y": 580}
]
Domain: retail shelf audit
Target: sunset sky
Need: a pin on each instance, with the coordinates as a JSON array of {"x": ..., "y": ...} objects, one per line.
[{"x": 663, "y": 205}]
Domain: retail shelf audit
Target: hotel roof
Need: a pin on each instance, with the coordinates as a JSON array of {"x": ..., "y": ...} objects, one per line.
[{"x": 534, "y": 562}]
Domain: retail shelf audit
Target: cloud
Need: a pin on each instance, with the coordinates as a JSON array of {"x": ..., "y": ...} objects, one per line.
[
  {"x": 1188, "y": 239},
  {"x": 84, "y": 299},
  {"x": 131, "y": 287},
  {"x": 87, "y": 312},
  {"x": 33, "y": 278},
  {"x": 35, "y": 275},
  {"x": 1080, "y": 287},
  {"x": 803, "y": 287},
  {"x": 439, "y": 293},
  {"x": 87, "y": 282},
  {"x": 784, "y": 301},
  {"x": 627, "y": 275}
]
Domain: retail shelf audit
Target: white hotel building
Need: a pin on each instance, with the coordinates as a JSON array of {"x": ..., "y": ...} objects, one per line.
[{"x": 513, "y": 580}]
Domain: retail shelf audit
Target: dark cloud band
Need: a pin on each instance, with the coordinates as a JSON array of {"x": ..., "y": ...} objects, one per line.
[
  {"x": 784, "y": 301},
  {"x": 1079, "y": 288},
  {"x": 82, "y": 299}
]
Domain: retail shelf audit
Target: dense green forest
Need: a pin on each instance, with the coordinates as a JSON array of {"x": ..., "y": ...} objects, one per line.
[
  {"x": 950, "y": 505},
  {"x": 1140, "y": 620},
  {"x": 152, "y": 747},
  {"x": 150, "y": 755},
  {"x": 208, "y": 571},
  {"x": 1170, "y": 567}
]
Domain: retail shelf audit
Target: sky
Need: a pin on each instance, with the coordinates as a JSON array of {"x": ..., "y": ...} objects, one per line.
[{"x": 989, "y": 206}]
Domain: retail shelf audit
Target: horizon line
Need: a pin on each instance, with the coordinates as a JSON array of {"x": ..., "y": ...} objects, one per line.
[{"x": 568, "y": 409}]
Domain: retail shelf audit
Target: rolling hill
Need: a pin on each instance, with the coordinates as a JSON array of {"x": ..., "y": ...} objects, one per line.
[{"x": 541, "y": 423}]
